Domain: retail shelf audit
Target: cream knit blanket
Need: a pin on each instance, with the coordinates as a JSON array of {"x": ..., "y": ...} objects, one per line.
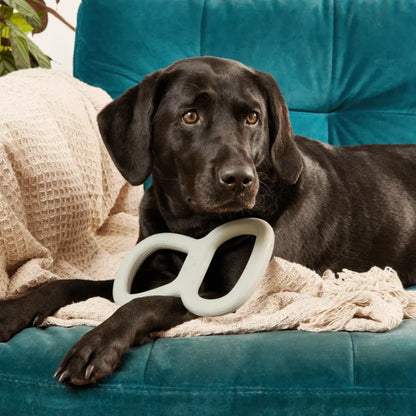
[{"x": 65, "y": 212}]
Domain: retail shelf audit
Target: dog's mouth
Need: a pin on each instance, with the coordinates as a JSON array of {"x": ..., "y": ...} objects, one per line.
[{"x": 239, "y": 202}]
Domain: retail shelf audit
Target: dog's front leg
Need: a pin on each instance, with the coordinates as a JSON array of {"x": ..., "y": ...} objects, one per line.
[
  {"x": 99, "y": 352},
  {"x": 31, "y": 309}
]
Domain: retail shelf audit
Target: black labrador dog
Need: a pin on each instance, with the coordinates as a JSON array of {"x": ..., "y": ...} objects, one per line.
[{"x": 216, "y": 137}]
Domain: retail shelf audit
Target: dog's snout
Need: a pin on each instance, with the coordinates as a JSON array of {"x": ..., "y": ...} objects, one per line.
[{"x": 236, "y": 177}]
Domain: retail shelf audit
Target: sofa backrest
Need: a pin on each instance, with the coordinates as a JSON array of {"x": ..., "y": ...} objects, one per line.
[{"x": 347, "y": 68}]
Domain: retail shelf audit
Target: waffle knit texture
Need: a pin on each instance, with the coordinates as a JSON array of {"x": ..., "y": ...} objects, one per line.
[{"x": 65, "y": 210}]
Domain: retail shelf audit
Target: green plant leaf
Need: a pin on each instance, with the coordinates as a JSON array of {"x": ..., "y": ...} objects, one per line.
[
  {"x": 40, "y": 58},
  {"x": 19, "y": 47},
  {"x": 4, "y": 37},
  {"x": 26, "y": 11},
  {"x": 40, "y": 8},
  {"x": 21, "y": 23},
  {"x": 6, "y": 63},
  {"x": 6, "y": 11},
  {"x": 43, "y": 60}
]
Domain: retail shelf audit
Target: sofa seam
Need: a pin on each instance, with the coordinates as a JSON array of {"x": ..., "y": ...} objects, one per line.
[
  {"x": 353, "y": 361},
  {"x": 238, "y": 390},
  {"x": 331, "y": 75},
  {"x": 201, "y": 27},
  {"x": 334, "y": 113},
  {"x": 149, "y": 357},
  {"x": 331, "y": 80}
]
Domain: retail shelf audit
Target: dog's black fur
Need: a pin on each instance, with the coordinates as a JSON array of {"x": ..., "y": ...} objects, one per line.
[{"x": 216, "y": 137}]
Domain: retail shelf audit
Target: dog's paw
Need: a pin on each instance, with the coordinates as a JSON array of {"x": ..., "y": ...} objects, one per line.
[
  {"x": 15, "y": 315},
  {"x": 96, "y": 355}
]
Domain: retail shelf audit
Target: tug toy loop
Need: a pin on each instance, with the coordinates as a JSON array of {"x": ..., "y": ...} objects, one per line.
[{"x": 199, "y": 256}]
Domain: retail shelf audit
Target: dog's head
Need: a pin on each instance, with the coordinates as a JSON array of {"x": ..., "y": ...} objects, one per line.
[{"x": 202, "y": 126}]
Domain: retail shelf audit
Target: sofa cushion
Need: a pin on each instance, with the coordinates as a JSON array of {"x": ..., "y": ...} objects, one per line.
[{"x": 284, "y": 373}]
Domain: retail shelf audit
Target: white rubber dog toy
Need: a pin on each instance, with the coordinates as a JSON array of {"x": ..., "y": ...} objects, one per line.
[{"x": 199, "y": 255}]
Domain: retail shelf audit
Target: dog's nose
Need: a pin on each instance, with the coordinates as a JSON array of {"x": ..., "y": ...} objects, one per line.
[{"x": 236, "y": 177}]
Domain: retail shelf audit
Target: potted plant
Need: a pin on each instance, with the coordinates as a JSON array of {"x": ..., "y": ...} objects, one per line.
[{"x": 18, "y": 19}]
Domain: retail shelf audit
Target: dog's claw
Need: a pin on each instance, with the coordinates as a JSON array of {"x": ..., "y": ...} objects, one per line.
[
  {"x": 63, "y": 376},
  {"x": 57, "y": 372},
  {"x": 89, "y": 371},
  {"x": 36, "y": 321}
]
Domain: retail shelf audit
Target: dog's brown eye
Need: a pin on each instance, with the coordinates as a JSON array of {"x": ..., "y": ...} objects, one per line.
[
  {"x": 191, "y": 117},
  {"x": 252, "y": 117}
]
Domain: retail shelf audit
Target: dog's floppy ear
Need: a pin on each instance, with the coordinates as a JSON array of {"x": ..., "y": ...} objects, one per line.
[
  {"x": 285, "y": 155},
  {"x": 126, "y": 128}
]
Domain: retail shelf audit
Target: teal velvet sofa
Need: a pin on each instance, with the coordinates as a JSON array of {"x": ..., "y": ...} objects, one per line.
[{"x": 347, "y": 69}]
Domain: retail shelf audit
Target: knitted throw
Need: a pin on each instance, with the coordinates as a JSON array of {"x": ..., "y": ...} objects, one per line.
[{"x": 65, "y": 211}]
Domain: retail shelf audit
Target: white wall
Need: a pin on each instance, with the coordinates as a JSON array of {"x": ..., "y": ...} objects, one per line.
[{"x": 57, "y": 41}]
